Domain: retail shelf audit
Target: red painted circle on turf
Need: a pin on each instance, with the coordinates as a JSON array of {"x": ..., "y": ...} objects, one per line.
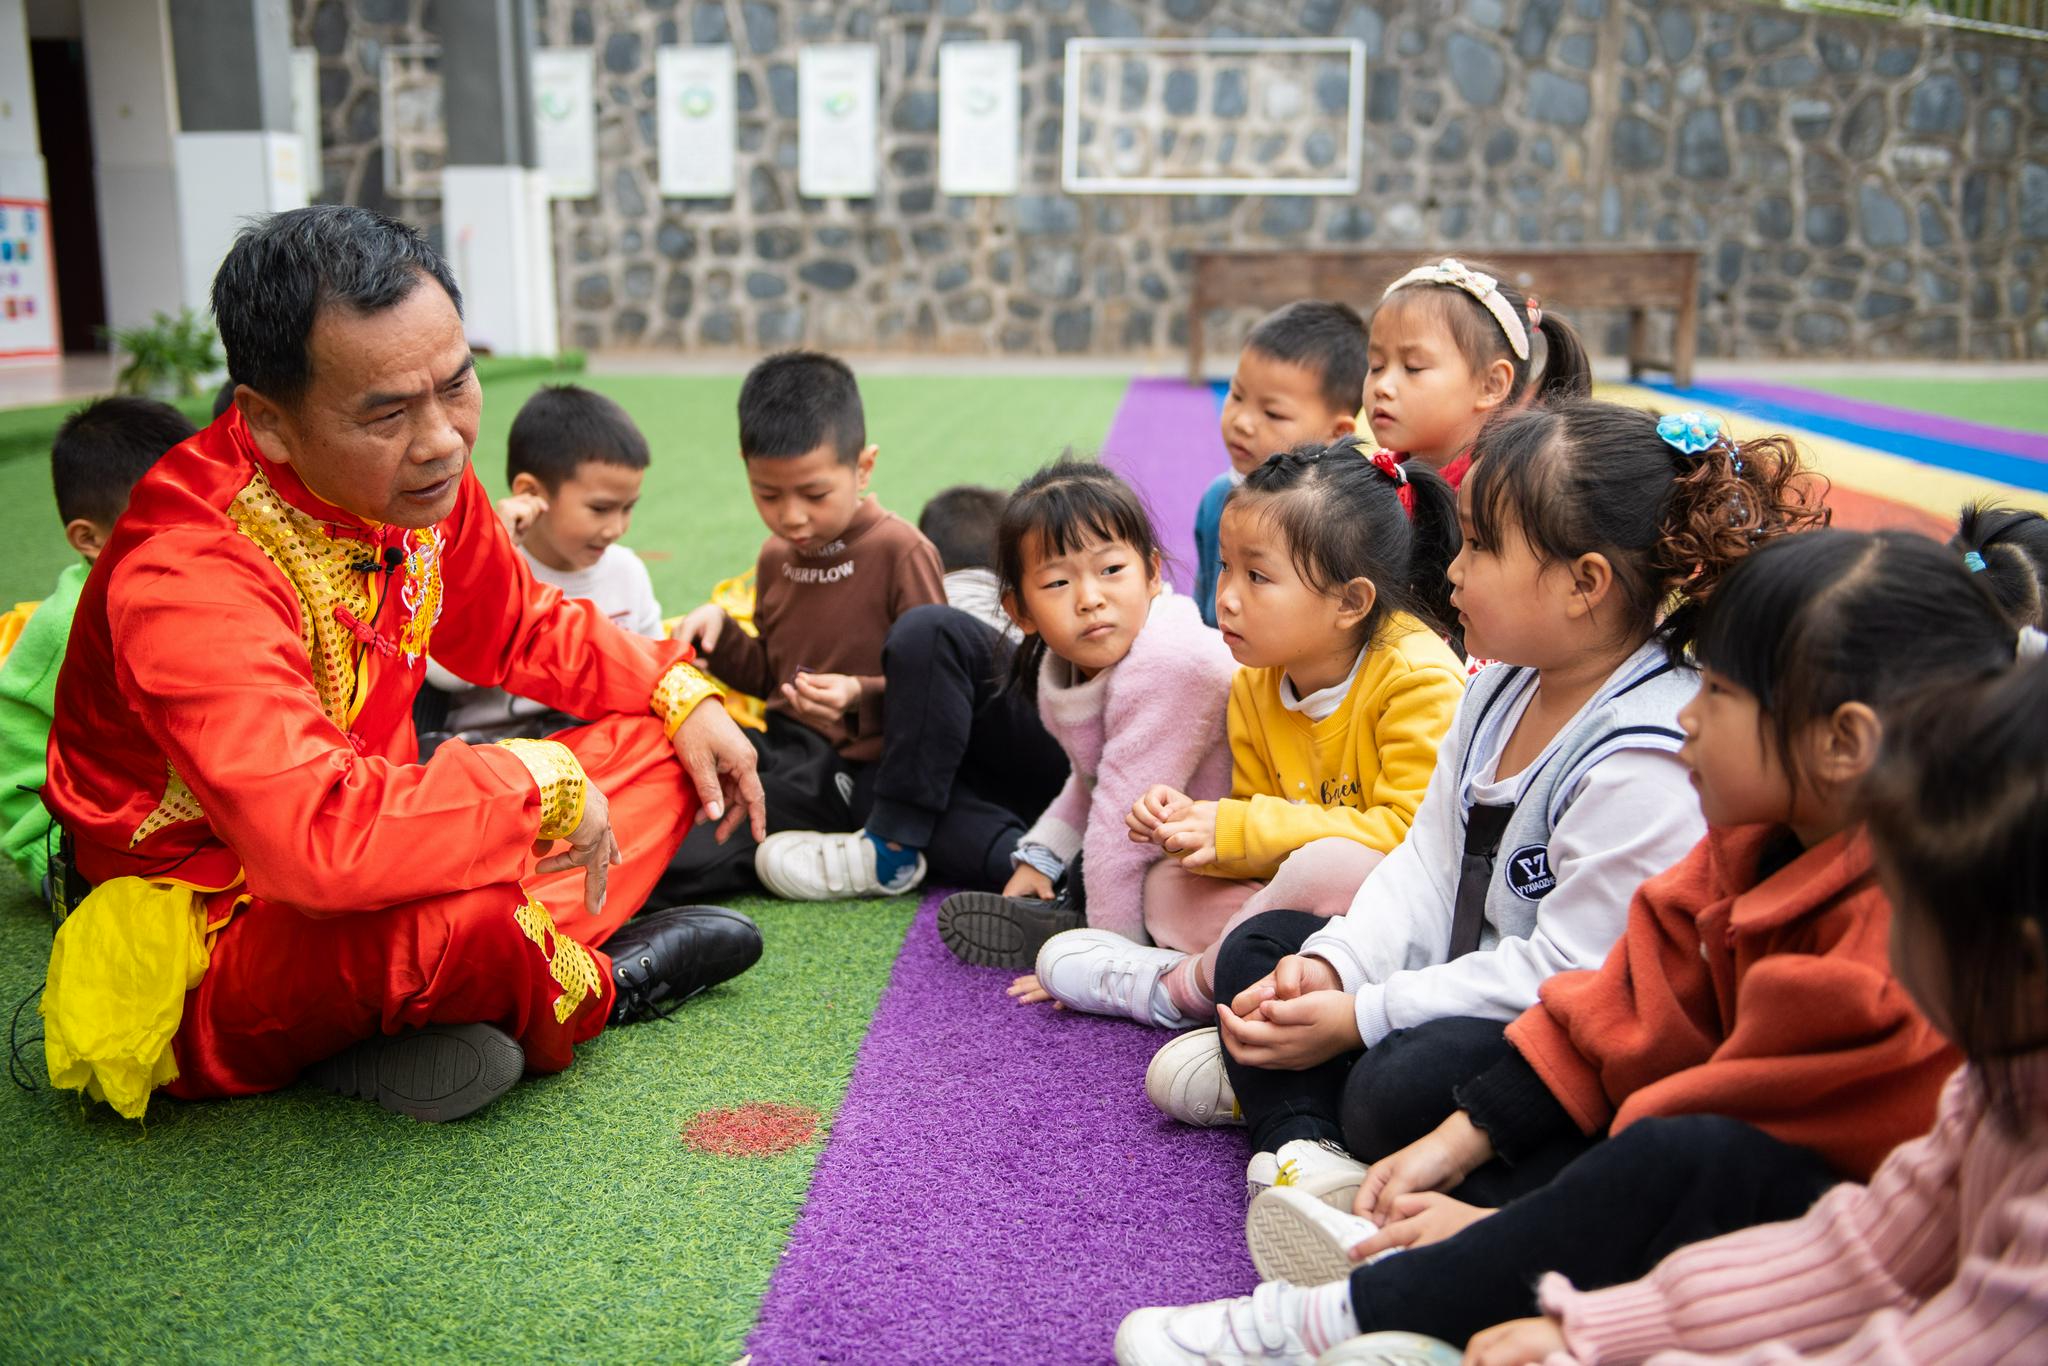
[{"x": 759, "y": 1128}]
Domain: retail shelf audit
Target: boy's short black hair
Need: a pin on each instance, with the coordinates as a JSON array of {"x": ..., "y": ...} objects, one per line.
[
  {"x": 796, "y": 401},
  {"x": 103, "y": 448},
  {"x": 224, "y": 397},
  {"x": 961, "y": 523},
  {"x": 564, "y": 426},
  {"x": 1328, "y": 339}
]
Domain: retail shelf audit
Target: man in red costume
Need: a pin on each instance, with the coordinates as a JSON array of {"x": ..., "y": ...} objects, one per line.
[{"x": 279, "y": 886}]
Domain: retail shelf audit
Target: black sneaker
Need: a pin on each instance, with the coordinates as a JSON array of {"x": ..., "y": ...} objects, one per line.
[
  {"x": 661, "y": 959},
  {"x": 433, "y": 1075},
  {"x": 991, "y": 930}
]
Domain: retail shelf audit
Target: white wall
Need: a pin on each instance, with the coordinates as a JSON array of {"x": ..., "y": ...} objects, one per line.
[
  {"x": 21, "y": 144},
  {"x": 496, "y": 236},
  {"x": 133, "y": 105}
]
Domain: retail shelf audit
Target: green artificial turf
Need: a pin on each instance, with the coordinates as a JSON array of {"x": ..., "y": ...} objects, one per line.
[
  {"x": 695, "y": 524},
  {"x": 567, "y": 1222},
  {"x": 2021, "y": 404}
]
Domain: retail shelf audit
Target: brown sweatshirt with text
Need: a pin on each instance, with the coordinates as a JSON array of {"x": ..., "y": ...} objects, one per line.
[{"x": 827, "y": 611}]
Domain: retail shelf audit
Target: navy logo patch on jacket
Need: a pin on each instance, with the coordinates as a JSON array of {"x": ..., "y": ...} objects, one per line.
[{"x": 1529, "y": 874}]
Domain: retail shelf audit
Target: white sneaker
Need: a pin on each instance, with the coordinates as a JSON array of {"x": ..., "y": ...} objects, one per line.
[
  {"x": 1392, "y": 1349},
  {"x": 1106, "y": 974},
  {"x": 1295, "y": 1237},
  {"x": 1186, "y": 1080},
  {"x": 1266, "y": 1326},
  {"x": 1324, "y": 1170},
  {"x": 805, "y": 865}
]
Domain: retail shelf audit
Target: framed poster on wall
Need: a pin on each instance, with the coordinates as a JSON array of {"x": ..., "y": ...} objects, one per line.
[
  {"x": 565, "y": 119},
  {"x": 694, "y": 90},
  {"x": 28, "y": 282},
  {"x": 836, "y": 96},
  {"x": 978, "y": 117}
]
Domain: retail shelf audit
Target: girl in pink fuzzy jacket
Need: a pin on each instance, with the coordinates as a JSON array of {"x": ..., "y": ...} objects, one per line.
[{"x": 1132, "y": 685}]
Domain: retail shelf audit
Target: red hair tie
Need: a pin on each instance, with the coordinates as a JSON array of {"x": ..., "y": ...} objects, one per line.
[{"x": 1383, "y": 460}]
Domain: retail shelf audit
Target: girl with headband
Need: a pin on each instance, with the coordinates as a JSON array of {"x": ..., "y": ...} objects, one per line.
[{"x": 1450, "y": 346}]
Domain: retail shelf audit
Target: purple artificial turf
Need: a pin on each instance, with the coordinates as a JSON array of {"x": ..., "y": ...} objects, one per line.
[
  {"x": 997, "y": 1188},
  {"x": 1167, "y": 441}
]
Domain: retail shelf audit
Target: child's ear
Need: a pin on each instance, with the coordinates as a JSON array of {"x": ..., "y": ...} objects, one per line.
[
  {"x": 1014, "y": 610},
  {"x": 1495, "y": 382},
  {"x": 864, "y": 466},
  {"x": 1354, "y": 602},
  {"x": 525, "y": 483},
  {"x": 1154, "y": 575},
  {"x": 87, "y": 537},
  {"x": 1342, "y": 425},
  {"x": 1592, "y": 580},
  {"x": 1846, "y": 744}
]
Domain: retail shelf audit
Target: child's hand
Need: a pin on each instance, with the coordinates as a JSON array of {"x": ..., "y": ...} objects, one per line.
[
  {"x": 1028, "y": 881},
  {"x": 702, "y": 628},
  {"x": 1291, "y": 1036},
  {"x": 1248, "y": 1001},
  {"x": 519, "y": 511},
  {"x": 1423, "y": 1218},
  {"x": 1026, "y": 991},
  {"x": 1191, "y": 837},
  {"x": 823, "y": 697},
  {"x": 1437, "y": 1161},
  {"x": 1159, "y": 805},
  {"x": 1518, "y": 1342},
  {"x": 1299, "y": 974}
]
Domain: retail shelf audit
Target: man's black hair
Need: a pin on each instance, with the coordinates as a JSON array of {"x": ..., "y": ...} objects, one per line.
[
  {"x": 282, "y": 270},
  {"x": 961, "y": 523},
  {"x": 564, "y": 425},
  {"x": 103, "y": 448},
  {"x": 796, "y": 401},
  {"x": 1326, "y": 339}
]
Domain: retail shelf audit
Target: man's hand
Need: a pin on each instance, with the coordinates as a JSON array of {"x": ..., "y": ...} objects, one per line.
[
  {"x": 1028, "y": 881},
  {"x": 822, "y": 697},
  {"x": 1292, "y": 1035},
  {"x": 1295, "y": 975},
  {"x": 1437, "y": 1161},
  {"x": 1518, "y": 1342},
  {"x": 721, "y": 764},
  {"x": 1159, "y": 805},
  {"x": 1425, "y": 1217},
  {"x": 1191, "y": 837},
  {"x": 592, "y": 847},
  {"x": 519, "y": 511},
  {"x": 702, "y": 628}
]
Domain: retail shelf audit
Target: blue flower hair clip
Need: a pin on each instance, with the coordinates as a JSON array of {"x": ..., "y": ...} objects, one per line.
[
  {"x": 1689, "y": 432},
  {"x": 1973, "y": 562}
]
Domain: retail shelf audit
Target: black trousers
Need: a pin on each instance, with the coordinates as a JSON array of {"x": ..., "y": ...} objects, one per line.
[
  {"x": 966, "y": 765},
  {"x": 1376, "y": 1102},
  {"x": 1608, "y": 1217},
  {"x": 808, "y": 787}
]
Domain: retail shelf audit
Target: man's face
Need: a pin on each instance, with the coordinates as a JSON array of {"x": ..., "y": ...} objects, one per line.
[{"x": 387, "y": 421}]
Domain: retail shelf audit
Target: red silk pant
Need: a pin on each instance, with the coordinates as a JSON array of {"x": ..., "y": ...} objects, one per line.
[{"x": 284, "y": 989}]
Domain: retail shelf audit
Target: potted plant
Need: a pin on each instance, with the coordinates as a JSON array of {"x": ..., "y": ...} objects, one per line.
[{"x": 167, "y": 358}]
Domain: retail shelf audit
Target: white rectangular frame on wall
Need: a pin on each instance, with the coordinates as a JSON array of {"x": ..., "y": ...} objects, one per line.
[{"x": 1354, "y": 120}]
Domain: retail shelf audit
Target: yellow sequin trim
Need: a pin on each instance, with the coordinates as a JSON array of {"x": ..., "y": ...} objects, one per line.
[
  {"x": 325, "y": 571},
  {"x": 678, "y": 693},
  {"x": 574, "y": 970},
  {"x": 179, "y": 805},
  {"x": 560, "y": 780}
]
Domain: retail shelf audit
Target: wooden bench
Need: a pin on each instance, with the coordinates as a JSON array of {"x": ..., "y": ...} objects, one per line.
[{"x": 1570, "y": 281}]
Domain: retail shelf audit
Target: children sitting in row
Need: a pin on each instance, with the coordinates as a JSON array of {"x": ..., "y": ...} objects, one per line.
[
  {"x": 99, "y": 453},
  {"x": 1332, "y": 601},
  {"x": 575, "y": 463},
  {"x": 835, "y": 573}
]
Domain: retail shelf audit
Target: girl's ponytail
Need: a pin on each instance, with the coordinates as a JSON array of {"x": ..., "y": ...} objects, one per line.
[
  {"x": 1433, "y": 544},
  {"x": 2007, "y": 548},
  {"x": 1728, "y": 498},
  {"x": 1567, "y": 370}
]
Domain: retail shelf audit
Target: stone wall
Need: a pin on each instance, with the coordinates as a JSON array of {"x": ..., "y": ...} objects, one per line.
[{"x": 1856, "y": 187}]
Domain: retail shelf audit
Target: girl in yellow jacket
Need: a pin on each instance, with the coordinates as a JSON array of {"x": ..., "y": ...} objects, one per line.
[{"x": 1332, "y": 596}]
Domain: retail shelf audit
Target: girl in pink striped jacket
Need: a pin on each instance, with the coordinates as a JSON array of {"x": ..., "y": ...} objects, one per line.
[{"x": 1943, "y": 1257}]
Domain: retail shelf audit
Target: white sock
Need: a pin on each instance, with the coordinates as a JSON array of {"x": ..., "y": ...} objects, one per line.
[{"x": 1326, "y": 1315}]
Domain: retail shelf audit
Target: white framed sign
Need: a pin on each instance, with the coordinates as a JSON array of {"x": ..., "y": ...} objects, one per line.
[
  {"x": 565, "y": 119},
  {"x": 836, "y": 87},
  {"x": 28, "y": 281},
  {"x": 695, "y": 94},
  {"x": 978, "y": 118},
  {"x": 306, "y": 116}
]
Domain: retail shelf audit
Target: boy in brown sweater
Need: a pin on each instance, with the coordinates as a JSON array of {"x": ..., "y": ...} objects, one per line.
[{"x": 835, "y": 573}]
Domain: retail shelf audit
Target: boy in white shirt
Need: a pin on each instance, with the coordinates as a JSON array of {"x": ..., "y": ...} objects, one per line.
[{"x": 575, "y": 462}]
